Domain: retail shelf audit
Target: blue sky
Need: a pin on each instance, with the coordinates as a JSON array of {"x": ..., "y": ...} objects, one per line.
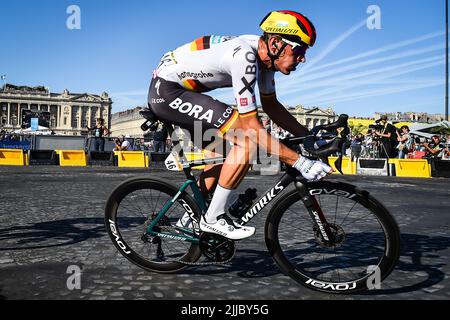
[{"x": 355, "y": 70}]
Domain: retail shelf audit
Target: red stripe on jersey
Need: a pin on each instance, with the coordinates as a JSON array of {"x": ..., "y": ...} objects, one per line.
[
  {"x": 199, "y": 43},
  {"x": 197, "y": 85}
]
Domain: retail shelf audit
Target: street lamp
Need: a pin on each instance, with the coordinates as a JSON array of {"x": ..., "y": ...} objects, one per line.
[
  {"x": 446, "y": 61},
  {"x": 3, "y": 78}
]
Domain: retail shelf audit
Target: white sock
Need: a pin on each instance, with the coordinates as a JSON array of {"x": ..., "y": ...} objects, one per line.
[{"x": 218, "y": 202}]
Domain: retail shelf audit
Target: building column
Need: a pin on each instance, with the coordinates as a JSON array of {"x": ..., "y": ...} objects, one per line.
[
  {"x": 90, "y": 116},
  {"x": 59, "y": 116},
  {"x": 27, "y": 107},
  {"x": 8, "y": 113},
  {"x": 80, "y": 112}
]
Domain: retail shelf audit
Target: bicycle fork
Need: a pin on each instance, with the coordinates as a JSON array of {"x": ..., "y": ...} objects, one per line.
[{"x": 315, "y": 211}]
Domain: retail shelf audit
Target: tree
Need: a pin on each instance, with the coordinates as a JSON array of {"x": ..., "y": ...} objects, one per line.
[{"x": 357, "y": 128}]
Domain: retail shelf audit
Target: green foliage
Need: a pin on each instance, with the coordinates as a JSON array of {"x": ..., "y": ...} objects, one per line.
[
  {"x": 439, "y": 130},
  {"x": 358, "y": 128}
]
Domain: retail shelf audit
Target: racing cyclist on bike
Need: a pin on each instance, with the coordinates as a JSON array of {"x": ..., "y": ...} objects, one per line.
[{"x": 176, "y": 95}]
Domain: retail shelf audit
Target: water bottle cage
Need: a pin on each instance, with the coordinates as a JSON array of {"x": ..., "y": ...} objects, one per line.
[{"x": 242, "y": 203}]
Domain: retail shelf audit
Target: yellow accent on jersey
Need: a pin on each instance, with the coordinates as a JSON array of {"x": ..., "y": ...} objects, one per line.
[
  {"x": 246, "y": 115},
  {"x": 229, "y": 123}
]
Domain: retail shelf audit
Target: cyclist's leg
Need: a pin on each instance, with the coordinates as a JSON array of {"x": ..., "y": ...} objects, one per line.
[
  {"x": 179, "y": 106},
  {"x": 195, "y": 111},
  {"x": 209, "y": 177},
  {"x": 233, "y": 171}
]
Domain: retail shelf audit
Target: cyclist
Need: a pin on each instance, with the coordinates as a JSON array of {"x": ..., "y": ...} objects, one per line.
[{"x": 176, "y": 95}]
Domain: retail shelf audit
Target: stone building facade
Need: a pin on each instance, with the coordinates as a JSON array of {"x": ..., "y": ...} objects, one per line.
[
  {"x": 421, "y": 117},
  {"x": 127, "y": 123},
  {"x": 70, "y": 113},
  {"x": 309, "y": 117}
]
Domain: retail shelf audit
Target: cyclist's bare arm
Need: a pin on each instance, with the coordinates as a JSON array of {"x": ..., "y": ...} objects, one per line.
[{"x": 278, "y": 113}]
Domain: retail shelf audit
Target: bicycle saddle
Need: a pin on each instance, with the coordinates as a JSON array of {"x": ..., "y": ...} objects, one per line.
[{"x": 150, "y": 117}]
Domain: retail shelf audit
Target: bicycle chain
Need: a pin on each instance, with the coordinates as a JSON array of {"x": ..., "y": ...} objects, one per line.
[{"x": 210, "y": 263}]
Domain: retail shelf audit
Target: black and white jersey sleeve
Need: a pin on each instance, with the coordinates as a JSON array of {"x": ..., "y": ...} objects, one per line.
[{"x": 244, "y": 73}]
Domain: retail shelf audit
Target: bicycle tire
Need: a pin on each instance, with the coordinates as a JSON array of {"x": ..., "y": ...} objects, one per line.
[
  {"x": 388, "y": 225},
  {"x": 112, "y": 224}
]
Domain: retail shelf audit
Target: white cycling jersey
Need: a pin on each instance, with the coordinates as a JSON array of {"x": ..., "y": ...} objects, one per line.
[{"x": 213, "y": 62}]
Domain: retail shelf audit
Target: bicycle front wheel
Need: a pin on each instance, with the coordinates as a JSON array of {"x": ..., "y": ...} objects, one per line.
[
  {"x": 133, "y": 206},
  {"x": 365, "y": 246}
]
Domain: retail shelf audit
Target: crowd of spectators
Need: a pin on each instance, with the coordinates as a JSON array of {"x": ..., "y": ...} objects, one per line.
[
  {"x": 403, "y": 145},
  {"x": 4, "y": 136},
  {"x": 381, "y": 141},
  {"x": 384, "y": 140}
]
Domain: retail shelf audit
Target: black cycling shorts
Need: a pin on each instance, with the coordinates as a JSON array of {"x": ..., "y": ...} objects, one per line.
[{"x": 172, "y": 103}]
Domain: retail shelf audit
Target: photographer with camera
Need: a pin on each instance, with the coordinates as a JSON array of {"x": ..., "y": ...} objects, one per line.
[
  {"x": 405, "y": 142},
  {"x": 434, "y": 148},
  {"x": 121, "y": 144},
  {"x": 387, "y": 134}
]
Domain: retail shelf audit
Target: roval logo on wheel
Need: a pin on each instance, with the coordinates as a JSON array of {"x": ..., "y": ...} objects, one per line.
[
  {"x": 332, "y": 286},
  {"x": 112, "y": 227},
  {"x": 335, "y": 192}
]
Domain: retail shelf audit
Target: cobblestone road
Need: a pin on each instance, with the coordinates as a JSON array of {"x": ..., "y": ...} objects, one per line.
[{"x": 52, "y": 218}]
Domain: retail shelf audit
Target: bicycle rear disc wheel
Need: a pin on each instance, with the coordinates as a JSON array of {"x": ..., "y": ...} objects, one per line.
[
  {"x": 132, "y": 206},
  {"x": 366, "y": 243}
]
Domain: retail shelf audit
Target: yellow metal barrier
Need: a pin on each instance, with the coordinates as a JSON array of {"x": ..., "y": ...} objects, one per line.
[
  {"x": 12, "y": 157},
  {"x": 412, "y": 168},
  {"x": 72, "y": 158},
  {"x": 131, "y": 159},
  {"x": 191, "y": 156},
  {"x": 348, "y": 167}
]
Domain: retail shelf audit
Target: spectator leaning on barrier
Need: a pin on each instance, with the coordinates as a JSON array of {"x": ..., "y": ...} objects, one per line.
[
  {"x": 141, "y": 144},
  {"x": 446, "y": 152},
  {"x": 100, "y": 131},
  {"x": 405, "y": 142},
  {"x": 121, "y": 144},
  {"x": 160, "y": 136},
  {"x": 356, "y": 146}
]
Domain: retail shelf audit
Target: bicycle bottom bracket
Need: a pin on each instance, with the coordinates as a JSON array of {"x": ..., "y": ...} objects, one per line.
[
  {"x": 337, "y": 236},
  {"x": 216, "y": 248}
]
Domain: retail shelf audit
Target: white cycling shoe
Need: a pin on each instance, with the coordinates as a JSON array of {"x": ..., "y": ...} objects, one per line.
[{"x": 226, "y": 227}]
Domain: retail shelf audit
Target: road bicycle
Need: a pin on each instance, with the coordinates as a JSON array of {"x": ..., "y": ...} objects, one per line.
[{"x": 327, "y": 236}]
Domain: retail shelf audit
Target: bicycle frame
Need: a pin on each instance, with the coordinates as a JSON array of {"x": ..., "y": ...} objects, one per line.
[{"x": 291, "y": 175}]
